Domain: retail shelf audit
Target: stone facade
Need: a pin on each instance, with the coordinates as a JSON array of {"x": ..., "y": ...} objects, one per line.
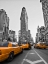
[
  {"x": 24, "y": 25},
  {"x": 4, "y": 24},
  {"x": 45, "y": 14},
  {"x": 40, "y": 35}
]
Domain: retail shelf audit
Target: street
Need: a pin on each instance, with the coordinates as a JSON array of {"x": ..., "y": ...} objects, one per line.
[
  {"x": 24, "y": 31},
  {"x": 33, "y": 56},
  {"x": 36, "y": 56}
]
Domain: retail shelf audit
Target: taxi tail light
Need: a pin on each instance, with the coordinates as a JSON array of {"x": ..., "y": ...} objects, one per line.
[{"x": 0, "y": 52}]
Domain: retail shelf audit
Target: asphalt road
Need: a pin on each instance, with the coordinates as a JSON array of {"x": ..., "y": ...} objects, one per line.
[
  {"x": 33, "y": 56},
  {"x": 36, "y": 56},
  {"x": 43, "y": 53}
]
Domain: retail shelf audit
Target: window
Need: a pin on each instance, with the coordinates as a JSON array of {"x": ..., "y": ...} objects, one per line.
[
  {"x": 24, "y": 43},
  {"x": 5, "y": 44}
]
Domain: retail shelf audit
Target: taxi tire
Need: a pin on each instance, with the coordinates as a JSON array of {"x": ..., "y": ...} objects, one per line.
[
  {"x": 44, "y": 48},
  {"x": 11, "y": 56}
]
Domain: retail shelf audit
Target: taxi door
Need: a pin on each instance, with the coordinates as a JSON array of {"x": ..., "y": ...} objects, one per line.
[{"x": 15, "y": 48}]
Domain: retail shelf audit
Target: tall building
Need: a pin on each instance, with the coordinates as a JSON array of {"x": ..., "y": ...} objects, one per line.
[
  {"x": 12, "y": 35},
  {"x": 36, "y": 38},
  {"x": 45, "y": 14},
  {"x": 45, "y": 11},
  {"x": 19, "y": 33},
  {"x": 24, "y": 24},
  {"x": 19, "y": 36},
  {"x": 4, "y": 25},
  {"x": 28, "y": 35},
  {"x": 40, "y": 35}
]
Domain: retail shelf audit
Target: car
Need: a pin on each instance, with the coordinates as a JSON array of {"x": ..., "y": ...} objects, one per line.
[
  {"x": 40, "y": 45},
  {"x": 26, "y": 45},
  {"x": 8, "y": 50}
]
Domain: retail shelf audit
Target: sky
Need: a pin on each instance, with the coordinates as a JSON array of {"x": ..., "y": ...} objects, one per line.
[{"x": 13, "y": 9}]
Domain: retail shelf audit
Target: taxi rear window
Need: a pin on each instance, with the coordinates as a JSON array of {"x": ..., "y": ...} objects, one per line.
[
  {"x": 24, "y": 43},
  {"x": 5, "y": 44}
]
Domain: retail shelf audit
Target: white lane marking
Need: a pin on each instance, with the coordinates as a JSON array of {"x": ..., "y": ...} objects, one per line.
[
  {"x": 41, "y": 58},
  {"x": 31, "y": 53},
  {"x": 34, "y": 62},
  {"x": 37, "y": 61},
  {"x": 28, "y": 61},
  {"x": 25, "y": 58}
]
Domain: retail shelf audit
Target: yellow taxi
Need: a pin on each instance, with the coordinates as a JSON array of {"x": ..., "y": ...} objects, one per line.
[
  {"x": 26, "y": 45},
  {"x": 40, "y": 45},
  {"x": 8, "y": 50}
]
